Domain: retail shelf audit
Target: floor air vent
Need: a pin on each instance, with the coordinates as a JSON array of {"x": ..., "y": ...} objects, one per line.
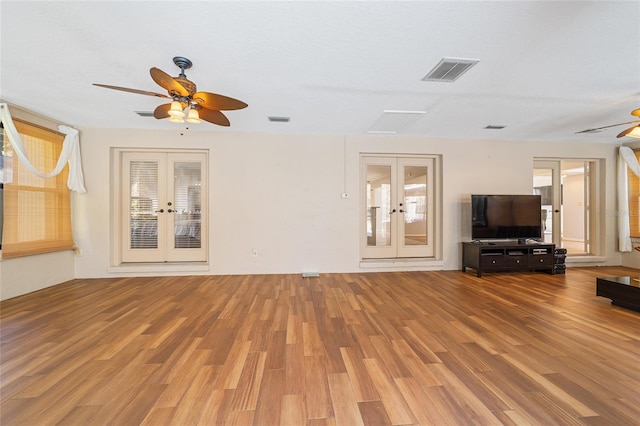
[{"x": 449, "y": 69}]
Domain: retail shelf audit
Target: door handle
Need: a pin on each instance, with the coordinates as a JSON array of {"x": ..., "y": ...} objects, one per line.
[
  {"x": 170, "y": 211},
  {"x": 393, "y": 211},
  {"x": 160, "y": 211}
]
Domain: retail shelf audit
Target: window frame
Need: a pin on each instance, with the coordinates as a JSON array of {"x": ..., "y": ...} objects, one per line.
[
  {"x": 36, "y": 211},
  {"x": 634, "y": 199}
]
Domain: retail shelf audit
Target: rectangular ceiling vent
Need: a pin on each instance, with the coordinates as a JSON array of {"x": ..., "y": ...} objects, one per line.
[
  {"x": 144, "y": 113},
  {"x": 449, "y": 69},
  {"x": 277, "y": 119},
  {"x": 392, "y": 122}
]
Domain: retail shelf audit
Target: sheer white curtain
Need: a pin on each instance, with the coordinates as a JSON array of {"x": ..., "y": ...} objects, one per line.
[
  {"x": 626, "y": 158},
  {"x": 70, "y": 152}
]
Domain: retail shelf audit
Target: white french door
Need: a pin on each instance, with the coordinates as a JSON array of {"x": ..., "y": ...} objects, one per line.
[
  {"x": 568, "y": 190},
  {"x": 163, "y": 205},
  {"x": 399, "y": 207}
]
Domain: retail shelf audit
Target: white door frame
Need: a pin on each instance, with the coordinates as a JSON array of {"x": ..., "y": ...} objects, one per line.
[
  {"x": 397, "y": 248},
  {"x": 165, "y": 251}
]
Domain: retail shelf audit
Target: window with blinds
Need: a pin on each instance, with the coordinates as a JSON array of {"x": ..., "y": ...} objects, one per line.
[
  {"x": 143, "y": 203},
  {"x": 634, "y": 200},
  {"x": 37, "y": 211}
]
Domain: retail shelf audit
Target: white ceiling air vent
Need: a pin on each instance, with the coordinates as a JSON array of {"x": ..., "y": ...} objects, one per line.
[
  {"x": 278, "y": 119},
  {"x": 144, "y": 113},
  {"x": 449, "y": 69},
  {"x": 392, "y": 121}
]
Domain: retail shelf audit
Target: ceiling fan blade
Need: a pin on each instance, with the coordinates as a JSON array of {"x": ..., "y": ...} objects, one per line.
[
  {"x": 167, "y": 82},
  {"x": 162, "y": 111},
  {"x": 215, "y": 117},
  {"x": 605, "y": 127},
  {"x": 216, "y": 102},
  {"x": 626, "y": 132},
  {"x": 126, "y": 89}
]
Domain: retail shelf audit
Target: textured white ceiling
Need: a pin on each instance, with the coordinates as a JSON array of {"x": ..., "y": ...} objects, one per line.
[{"x": 547, "y": 68}]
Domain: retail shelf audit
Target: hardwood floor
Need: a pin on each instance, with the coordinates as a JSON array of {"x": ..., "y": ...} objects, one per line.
[{"x": 429, "y": 348}]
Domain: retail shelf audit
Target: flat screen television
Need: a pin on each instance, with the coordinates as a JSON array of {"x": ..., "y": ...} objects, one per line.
[{"x": 506, "y": 217}]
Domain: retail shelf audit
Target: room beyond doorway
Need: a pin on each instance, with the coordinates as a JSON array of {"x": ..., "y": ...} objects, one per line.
[{"x": 568, "y": 189}]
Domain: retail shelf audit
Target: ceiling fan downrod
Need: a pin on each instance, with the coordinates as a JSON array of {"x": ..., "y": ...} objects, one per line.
[{"x": 182, "y": 63}]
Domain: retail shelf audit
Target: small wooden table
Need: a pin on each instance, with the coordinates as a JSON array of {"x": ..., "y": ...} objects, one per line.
[{"x": 623, "y": 291}]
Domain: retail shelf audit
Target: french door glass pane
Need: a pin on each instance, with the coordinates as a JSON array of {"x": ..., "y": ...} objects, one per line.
[
  {"x": 415, "y": 205},
  {"x": 574, "y": 206},
  {"x": 187, "y": 204},
  {"x": 543, "y": 186},
  {"x": 143, "y": 204},
  {"x": 378, "y": 205}
]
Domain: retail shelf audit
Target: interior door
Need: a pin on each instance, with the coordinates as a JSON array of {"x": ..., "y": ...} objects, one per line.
[
  {"x": 398, "y": 207},
  {"x": 568, "y": 190},
  {"x": 547, "y": 182},
  {"x": 163, "y": 199}
]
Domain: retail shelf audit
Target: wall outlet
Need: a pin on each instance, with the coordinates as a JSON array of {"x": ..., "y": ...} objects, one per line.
[{"x": 254, "y": 252}]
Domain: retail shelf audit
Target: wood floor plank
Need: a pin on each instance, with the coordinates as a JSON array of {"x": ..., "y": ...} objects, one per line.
[
  {"x": 160, "y": 416},
  {"x": 240, "y": 418},
  {"x": 421, "y": 406},
  {"x": 293, "y": 410},
  {"x": 395, "y": 404},
  {"x": 318, "y": 396},
  {"x": 294, "y": 369},
  {"x": 345, "y": 406},
  {"x": 232, "y": 369},
  {"x": 216, "y": 407},
  {"x": 429, "y": 348},
  {"x": 374, "y": 413},
  {"x": 269, "y": 404},
  {"x": 246, "y": 395},
  {"x": 363, "y": 386}
]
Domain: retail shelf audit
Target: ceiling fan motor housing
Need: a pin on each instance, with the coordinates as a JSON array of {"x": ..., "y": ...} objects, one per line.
[{"x": 187, "y": 84}]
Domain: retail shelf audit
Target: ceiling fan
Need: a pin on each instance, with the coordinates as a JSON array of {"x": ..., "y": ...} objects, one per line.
[
  {"x": 633, "y": 131},
  {"x": 186, "y": 100}
]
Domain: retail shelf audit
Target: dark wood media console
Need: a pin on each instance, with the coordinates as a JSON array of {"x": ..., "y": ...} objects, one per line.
[{"x": 497, "y": 257}]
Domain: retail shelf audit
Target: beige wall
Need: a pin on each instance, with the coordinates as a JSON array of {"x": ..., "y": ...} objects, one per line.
[
  {"x": 632, "y": 260},
  {"x": 280, "y": 194},
  {"x": 573, "y": 208},
  {"x": 31, "y": 273}
]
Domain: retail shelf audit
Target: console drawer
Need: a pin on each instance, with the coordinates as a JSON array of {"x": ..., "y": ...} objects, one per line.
[
  {"x": 516, "y": 261},
  {"x": 541, "y": 260},
  {"x": 491, "y": 261}
]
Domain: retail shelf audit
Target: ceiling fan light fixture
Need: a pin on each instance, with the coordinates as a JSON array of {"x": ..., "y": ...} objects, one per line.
[
  {"x": 193, "y": 116},
  {"x": 186, "y": 102},
  {"x": 635, "y": 133},
  {"x": 176, "y": 110}
]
